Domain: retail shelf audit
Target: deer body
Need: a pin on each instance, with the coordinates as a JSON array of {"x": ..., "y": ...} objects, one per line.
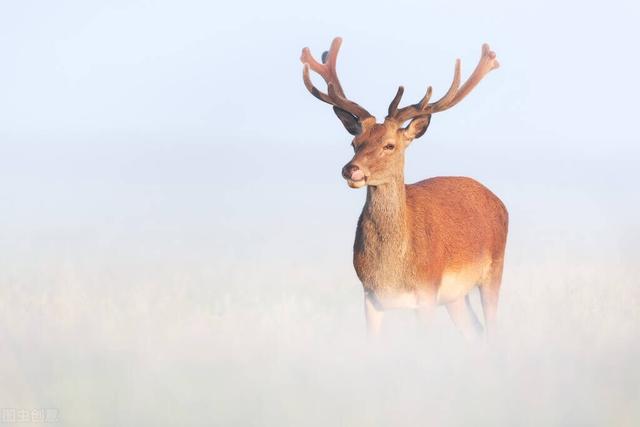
[
  {"x": 429, "y": 242},
  {"x": 425, "y": 244}
]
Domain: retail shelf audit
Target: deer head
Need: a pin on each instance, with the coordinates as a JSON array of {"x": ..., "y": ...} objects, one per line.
[{"x": 379, "y": 147}]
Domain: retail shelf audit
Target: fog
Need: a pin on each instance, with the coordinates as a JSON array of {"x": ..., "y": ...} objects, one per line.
[{"x": 176, "y": 237}]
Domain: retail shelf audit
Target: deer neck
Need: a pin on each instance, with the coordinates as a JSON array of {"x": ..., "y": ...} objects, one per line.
[
  {"x": 386, "y": 208},
  {"x": 382, "y": 239}
]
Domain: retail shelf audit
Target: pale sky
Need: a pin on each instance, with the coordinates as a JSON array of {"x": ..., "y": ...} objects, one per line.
[{"x": 197, "y": 100}]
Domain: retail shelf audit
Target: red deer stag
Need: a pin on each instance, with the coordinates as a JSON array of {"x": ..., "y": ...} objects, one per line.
[{"x": 424, "y": 244}]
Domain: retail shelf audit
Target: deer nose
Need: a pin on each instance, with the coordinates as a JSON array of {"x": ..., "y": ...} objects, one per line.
[{"x": 352, "y": 172}]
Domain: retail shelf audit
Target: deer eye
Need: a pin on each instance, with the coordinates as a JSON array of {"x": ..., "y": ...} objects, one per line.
[{"x": 389, "y": 147}]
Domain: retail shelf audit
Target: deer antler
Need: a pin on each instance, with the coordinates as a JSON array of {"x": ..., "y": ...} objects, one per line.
[
  {"x": 327, "y": 70},
  {"x": 454, "y": 95}
]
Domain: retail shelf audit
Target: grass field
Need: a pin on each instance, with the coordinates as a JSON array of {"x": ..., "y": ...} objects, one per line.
[{"x": 126, "y": 300}]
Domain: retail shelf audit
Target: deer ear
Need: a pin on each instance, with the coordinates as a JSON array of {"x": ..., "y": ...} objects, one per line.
[
  {"x": 350, "y": 122},
  {"x": 417, "y": 127}
]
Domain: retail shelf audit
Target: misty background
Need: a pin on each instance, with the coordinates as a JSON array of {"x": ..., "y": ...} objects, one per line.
[{"x": 176, "y": 236}]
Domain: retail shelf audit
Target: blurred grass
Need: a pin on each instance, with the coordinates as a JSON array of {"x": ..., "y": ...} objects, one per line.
[{"x": 119, "y": 337}]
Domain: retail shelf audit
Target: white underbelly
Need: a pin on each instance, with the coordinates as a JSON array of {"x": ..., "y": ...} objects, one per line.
[
  {"x": 457, "y": 283},
  {"x": 454, "y": 284}
]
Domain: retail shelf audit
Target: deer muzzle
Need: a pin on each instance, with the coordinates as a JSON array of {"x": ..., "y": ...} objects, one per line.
[{"x": 354, "y": 175}]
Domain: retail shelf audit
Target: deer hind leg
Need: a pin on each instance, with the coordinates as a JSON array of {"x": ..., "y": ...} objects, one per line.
[
  {"x": 464, "y": 318},
  {"x": 489, "y": 292}
]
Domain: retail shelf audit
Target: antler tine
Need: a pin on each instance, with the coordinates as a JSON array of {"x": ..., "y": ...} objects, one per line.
[
  {"x": 311, "y": 88},
  {"x": 440, "y": 104},
  {"x": 393, "y": 107},
  {"x": 327, "y": 70},
  {"x": 425, "y": 99},
  {"x": 411, "y": 111},
  {"x": 487, "y": 63},
  {"x": 332, "y": 98}
]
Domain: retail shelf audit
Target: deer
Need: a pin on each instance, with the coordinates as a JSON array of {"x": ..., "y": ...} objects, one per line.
[{"x": 423, "y": 245}]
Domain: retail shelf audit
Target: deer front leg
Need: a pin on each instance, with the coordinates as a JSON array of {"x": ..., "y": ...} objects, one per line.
[
  {"x": 426, "y": 307},
  {"x": 373, "y": 313}
]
